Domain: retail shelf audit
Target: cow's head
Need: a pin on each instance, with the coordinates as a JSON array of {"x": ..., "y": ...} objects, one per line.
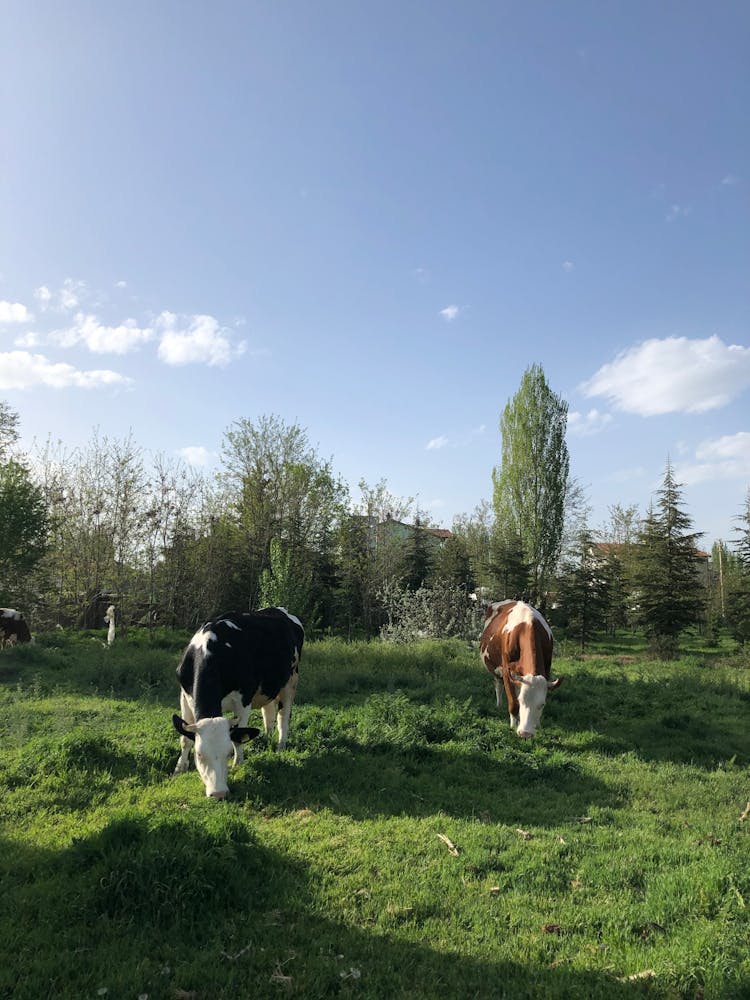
[
  {"x": 215, "y": 741},
  {"x": 532, "y": 697}
]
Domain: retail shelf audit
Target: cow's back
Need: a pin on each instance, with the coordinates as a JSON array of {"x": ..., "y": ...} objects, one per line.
[
  {"x": 516, "y": 636},
  {"x": 240, "y": 651}
]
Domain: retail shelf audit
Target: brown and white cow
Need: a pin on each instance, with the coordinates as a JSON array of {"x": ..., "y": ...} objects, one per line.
[
  {"x": 516, "y": 648},
  {"x": 13, "y": 628}
]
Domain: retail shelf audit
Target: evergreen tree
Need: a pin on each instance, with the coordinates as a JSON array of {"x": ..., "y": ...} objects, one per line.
[
  {"x": 619, "y": 589},
  {"x": 583, "y": 590},
  {"x": 453, "y": 563},
  {"x": 670, "y": 593},
  {"x": 531, "y": 484},
  {"x": 619, "y": 543},
  {"x": 510, "y": 571},
  {"x": 738, "y": 584},
  {"x": 418, "y": 556}
]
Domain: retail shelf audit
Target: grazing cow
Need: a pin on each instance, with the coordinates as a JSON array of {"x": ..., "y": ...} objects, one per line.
[
  {"x": 236, "y": 662},
  {"x": 13, "y": 628},
  {"x": 516, "y": 647}
]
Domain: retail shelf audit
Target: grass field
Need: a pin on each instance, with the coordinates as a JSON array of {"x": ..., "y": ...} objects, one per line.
[{"x": 606, "y": 858}]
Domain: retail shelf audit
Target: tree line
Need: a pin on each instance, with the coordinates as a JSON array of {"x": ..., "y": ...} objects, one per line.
[{"x": 112, "y": 523}]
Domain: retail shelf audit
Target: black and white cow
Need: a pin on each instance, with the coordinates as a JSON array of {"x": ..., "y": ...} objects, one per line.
[
  {"x": 13, "y": 628},
  {"x": 236, "y": 662}
]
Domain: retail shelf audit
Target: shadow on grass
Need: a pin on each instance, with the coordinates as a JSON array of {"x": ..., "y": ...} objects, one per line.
[
  {"x": 365, "y": 783},
  {"x": 195, "y": 906}
]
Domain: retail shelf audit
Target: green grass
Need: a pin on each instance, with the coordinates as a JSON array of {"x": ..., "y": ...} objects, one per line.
[{"x": 608, "y": 847}]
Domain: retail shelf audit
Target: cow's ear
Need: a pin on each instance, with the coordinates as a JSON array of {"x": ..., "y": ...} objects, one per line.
[
  {"x": 551, "y": 685},
  {"x": 517, "y": 679},
  {"x": 182, "y": 728},
  {"x": 242, "y": 734}
]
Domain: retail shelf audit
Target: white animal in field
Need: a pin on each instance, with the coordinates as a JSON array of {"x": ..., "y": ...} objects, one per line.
[{"x": 110, "y": 617}]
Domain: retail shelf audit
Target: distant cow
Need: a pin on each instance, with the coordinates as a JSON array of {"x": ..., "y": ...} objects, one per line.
[
  {"x": 236, "y": 662},
  {"x": 516, "y": 647},
  {"x": 13, "y": 628},
  {"x": 109, "y": 618}
]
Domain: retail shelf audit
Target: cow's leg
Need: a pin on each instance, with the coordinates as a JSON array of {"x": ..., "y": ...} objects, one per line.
[
  {"x": 498, "y": 691},
  {"x": 242, "y": 715},
  {"x": 286, "y": 698},
  {"x": 269, "y": 717},
  {"x": 513, "y": 706},
  {"x": 186, "y": 711}
]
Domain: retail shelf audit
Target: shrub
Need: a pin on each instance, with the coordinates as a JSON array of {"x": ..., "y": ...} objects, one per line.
[{"x": 438, "y": 611}]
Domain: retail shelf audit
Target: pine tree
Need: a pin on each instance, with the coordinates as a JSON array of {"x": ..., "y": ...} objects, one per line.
[
  {"x": 670, "y": 594},
  {"x": 418, "y": 557},
  {"x": 510, "y": 570},
  {"x": 738, "y": 597},
  {"x": 582, "y": 589}
]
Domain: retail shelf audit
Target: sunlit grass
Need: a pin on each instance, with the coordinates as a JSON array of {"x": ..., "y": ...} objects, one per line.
[{"x": 609, "y": 847}]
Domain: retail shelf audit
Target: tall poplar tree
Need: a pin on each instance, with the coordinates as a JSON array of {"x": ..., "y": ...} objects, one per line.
[
  {"x": 669, "y": 590},
  {"x": 531, "y": 483}
]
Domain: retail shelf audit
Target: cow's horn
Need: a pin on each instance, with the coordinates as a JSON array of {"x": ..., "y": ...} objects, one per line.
[{"x": 551, "y": 685}]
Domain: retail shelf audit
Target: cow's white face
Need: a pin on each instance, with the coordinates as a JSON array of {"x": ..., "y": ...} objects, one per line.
[
  {"x": 213, "y": 751},
  {"x": 532, "y": 697}
]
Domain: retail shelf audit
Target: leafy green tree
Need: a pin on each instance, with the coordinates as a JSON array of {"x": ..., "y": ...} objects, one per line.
[
  {"x": 670, "y": 593},
  {"x": 531, "y": 483},
  {"x": 287, "y": 583},
  {"x": 276, "y": 487},
  {"x": 8, "y": 429},
  {"x": 23, "y": 516},
  {"x": 475, "y": 533},
  {"x": 23, "y": 528}
]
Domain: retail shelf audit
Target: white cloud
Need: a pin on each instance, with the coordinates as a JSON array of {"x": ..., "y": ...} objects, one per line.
[
  {"x": 65, "y": 299},
  {"x": 460, "y": 439},
  {"x": 121, "y": 284},
  {"x": 70, "y": 294},
  {"x": 21, "y": 370},
  {"x": 727, "y": 457},
  {"x": 201, "y": 341},
  {"x": 436, "y": 443},
  {"x": 729, "y": 180},
  {"x": 585, "y": 424},
  {"x": 14, "y": 312},
  {"x": 450, "y": 313},
  {"x": 101, "y": 339},
  {"x": 678, "y": 212},
  {"x": 196, "y": 455},
  {"x": 673, "y": 375},
  {"x": 27, "y": 340},
  {"x": 568, "y": 265}
]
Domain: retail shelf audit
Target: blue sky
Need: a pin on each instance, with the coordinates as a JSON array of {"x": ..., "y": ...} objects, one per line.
[{"x": 371, "y": 218}]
